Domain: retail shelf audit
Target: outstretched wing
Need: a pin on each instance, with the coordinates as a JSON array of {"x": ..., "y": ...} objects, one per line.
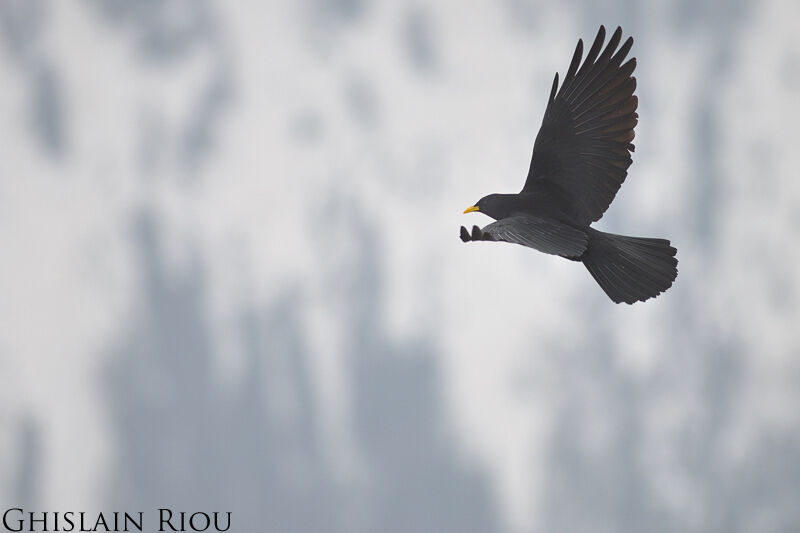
[
  {"x": 584, "y": 144},
  {"x": 543, "y": 234}
]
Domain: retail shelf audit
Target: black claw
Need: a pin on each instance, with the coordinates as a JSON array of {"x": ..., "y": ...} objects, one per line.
[
  {"x": 465, "y": 234},
  {"x": 476, "y": 233}
]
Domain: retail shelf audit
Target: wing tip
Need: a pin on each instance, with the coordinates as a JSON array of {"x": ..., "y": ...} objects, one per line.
[{"x": 554, "y": 88}]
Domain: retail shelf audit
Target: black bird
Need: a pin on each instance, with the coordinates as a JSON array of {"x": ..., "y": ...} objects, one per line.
[{"x": 580, "y": 158}]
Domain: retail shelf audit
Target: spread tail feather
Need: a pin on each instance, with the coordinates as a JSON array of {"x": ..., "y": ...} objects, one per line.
[{"x": 630, "y": 269}]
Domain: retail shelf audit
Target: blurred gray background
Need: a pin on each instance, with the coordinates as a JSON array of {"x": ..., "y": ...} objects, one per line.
[{"x": 231, "y": 279}]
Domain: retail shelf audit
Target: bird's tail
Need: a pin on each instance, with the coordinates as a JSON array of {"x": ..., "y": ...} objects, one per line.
[{"x": 630, "y": 269}]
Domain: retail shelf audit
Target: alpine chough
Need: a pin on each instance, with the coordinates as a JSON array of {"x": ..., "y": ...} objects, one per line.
[{"x": 580, "y": 158}]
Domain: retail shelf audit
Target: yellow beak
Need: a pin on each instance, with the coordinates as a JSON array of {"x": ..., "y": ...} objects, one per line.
[{"x": 471, "y": 209}]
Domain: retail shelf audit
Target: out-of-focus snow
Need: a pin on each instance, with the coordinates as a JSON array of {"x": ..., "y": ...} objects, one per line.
[{"x": 231, "y": 273}]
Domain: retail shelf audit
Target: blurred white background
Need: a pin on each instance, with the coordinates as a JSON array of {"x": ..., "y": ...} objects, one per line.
[{"x": 231, "y": 279}]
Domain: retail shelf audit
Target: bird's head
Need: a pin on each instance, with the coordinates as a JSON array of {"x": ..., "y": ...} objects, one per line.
[{"x": 496, "y": 206}]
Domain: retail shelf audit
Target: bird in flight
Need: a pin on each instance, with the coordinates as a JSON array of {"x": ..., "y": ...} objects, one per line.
[{"x": 580, "y": 158}]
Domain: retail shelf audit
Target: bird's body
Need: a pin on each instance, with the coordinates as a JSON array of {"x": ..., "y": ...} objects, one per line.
[{"x": 580, "y": 159}]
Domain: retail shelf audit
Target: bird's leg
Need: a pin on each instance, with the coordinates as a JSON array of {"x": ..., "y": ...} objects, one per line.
[{"x": 465, "y": 234}]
